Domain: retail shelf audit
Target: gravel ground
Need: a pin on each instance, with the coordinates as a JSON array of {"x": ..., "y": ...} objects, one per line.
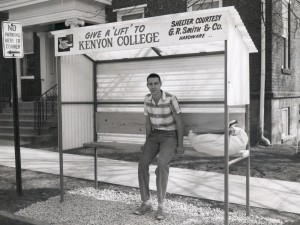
[
  {"x": 113, "y": 204},
  {"x": 96, "y": 207}
]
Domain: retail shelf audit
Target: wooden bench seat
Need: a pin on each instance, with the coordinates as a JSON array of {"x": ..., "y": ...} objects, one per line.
[{"x": 188, "y": 150}]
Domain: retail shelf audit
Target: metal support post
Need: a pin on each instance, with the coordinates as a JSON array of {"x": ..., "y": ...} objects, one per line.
[
  {"x": 95, "y": 168},
  {"x": 16, "y": 130},
  {"x": 60, "y": 141},
  {"x": 94, "y": 123},
  {"x": 248, "y": 162},
  {"x": 226, "y": 144}
]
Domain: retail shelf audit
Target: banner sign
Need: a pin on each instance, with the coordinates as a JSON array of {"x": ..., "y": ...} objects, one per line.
[{"x": 175, "y": 29}]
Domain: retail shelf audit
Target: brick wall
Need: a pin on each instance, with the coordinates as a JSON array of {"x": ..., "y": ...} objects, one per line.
[
  {"x": 282, "y": 90},
  {"x": 117, "y": 4},
  {"x": 154, "y": 7},
  {"x": 284, "y": 85},
  {"x": 295, "y": 52}
]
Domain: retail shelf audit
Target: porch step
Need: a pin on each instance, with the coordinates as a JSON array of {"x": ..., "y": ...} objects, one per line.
[
  {"x": 23, "y": 130},
  {"x": 25, "y": 105},
  {"x": 26, "y": 125},
  {"x": 24, "y": 110},
  {"x": 29, "y": 138},
  {"x": 22, "y": 116},
  {"x": 10, "y": 122},
  {"x": 21, "y": 110}
]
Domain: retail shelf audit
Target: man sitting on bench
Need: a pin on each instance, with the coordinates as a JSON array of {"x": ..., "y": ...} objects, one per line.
[{"x": 164, "y": 137}]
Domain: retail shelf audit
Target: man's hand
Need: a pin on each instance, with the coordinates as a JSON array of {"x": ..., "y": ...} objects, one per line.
[{"x": 179, "y": 150}]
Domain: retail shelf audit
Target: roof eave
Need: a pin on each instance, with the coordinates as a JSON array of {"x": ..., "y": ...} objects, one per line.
[{"x": 14, "y": 4}]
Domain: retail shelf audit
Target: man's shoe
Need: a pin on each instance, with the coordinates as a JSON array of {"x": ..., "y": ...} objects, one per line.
[
  {"x": 142, "y": 209},
  {"x": 160, "y": 214}
]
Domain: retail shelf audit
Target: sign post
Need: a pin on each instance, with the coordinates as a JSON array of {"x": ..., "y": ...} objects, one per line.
[{"x": 12, "y": 42}]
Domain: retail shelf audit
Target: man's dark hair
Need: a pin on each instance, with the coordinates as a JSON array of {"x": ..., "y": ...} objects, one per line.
[{"x": 154, "y": 75}]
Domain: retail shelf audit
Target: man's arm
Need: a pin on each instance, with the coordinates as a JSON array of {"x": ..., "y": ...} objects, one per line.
[
  {"x": 148, "y": 130},
  {"x": 148, "y": 127},
  {"x": 180, "y": 130}
]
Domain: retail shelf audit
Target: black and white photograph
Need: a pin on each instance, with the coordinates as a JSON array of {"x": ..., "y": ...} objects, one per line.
[{"x": 147, "y": 112}]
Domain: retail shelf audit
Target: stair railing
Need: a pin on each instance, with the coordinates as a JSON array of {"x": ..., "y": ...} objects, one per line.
[{"x": 44, "y": 107}]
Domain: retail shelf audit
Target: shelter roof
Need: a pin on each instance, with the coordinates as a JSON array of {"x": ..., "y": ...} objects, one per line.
[{"x": 182, "y": 33}]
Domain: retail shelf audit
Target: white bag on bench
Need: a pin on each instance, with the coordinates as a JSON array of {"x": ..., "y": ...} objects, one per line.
[{"x": 213, "y": 144}]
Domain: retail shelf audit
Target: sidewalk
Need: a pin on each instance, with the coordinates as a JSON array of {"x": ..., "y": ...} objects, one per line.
[{"x": 264, "y": 193}]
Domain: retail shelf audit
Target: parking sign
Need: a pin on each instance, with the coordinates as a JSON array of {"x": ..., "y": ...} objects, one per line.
[{"x": 12, "y": 40}]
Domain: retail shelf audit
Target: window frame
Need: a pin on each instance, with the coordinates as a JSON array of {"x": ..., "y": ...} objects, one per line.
[
  {"x": 285, "y": 133},
  {"x": 24, "y": 75},
  {"x": 134, "y": 10},
  {"x": 286, "y": 36},
  {"x": 193, "y": 2}
]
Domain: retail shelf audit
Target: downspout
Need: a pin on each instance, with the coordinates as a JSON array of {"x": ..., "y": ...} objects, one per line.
[{"x": 262, "y": 139}]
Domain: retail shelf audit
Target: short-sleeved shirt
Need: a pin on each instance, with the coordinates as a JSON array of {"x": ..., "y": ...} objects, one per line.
[{"x": 162, "y": 114}]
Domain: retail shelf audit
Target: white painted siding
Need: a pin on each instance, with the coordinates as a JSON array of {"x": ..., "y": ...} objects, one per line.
[
  {"x": 76, "y": 79},
  {"x": 77, "y": 125},
  {"x": 77, "y": 87},
  {"x": 238, "y": 69}
]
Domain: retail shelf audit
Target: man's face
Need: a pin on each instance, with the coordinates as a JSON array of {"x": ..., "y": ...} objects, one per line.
[{"x": 154, "y": 85}]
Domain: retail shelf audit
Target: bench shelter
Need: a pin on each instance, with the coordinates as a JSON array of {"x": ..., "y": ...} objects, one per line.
[{"x": 202, "y": 57}]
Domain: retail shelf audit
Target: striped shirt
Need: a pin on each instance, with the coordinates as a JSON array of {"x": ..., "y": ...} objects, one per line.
[{"x": 162, "y": 114}]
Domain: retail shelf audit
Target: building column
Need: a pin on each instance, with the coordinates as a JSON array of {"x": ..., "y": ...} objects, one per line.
[
  {"x": 51, "y": 68},
  {"x": 43, "y": 60},
  {"x": 74, "y": 22}
]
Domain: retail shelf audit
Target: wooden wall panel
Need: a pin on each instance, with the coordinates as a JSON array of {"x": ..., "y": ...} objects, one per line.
[{"x": 130, "y": 127}]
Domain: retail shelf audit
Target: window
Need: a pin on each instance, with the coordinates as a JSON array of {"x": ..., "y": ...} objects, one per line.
[
  {"x": 131, "y": 13},
  {"x": 194, "y": 5},
  {"x": 285, "y": 10},
  {"x": 27, "y": 62},
  {"x": 285, "y": 122}
]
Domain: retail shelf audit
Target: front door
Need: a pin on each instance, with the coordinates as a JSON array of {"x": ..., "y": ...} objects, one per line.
[{"x": 30, "y": 68}]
